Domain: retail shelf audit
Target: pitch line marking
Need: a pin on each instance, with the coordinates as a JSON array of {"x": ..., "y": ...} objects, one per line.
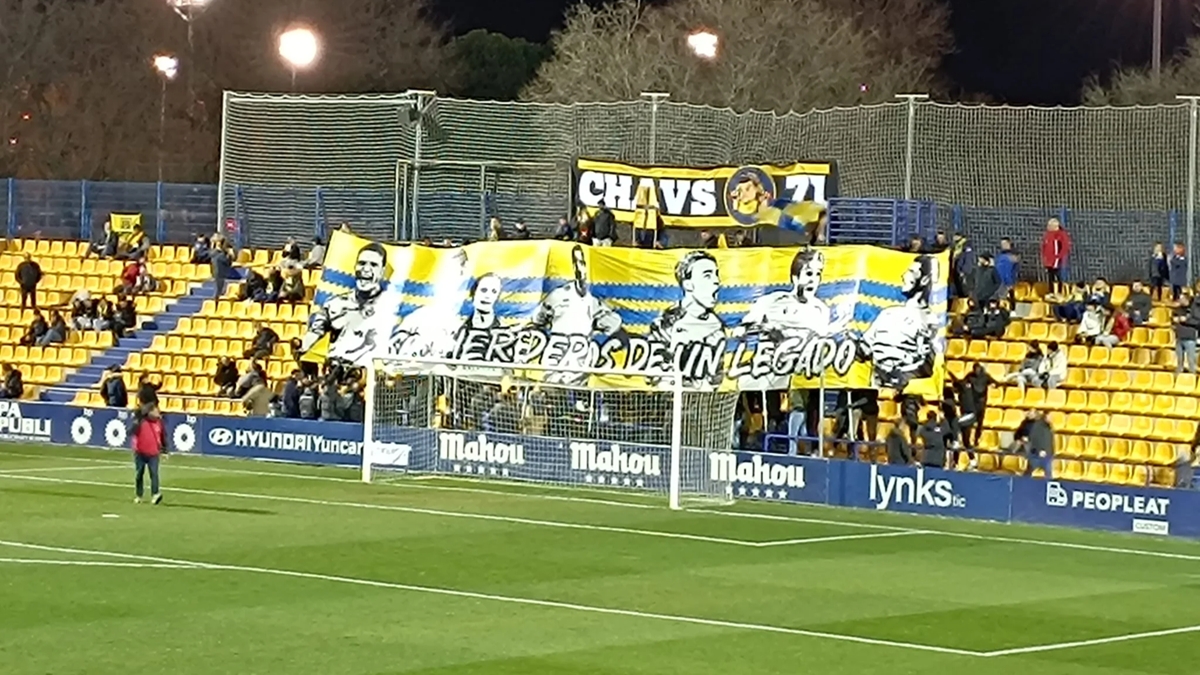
[
  {"x": 97, "y": 563},
  {"x": 840, "y": 537},
  {"x": 5, "y": 472},
  {"x": 473, "y": 595},
  {"x": 1090, "y": 643}
]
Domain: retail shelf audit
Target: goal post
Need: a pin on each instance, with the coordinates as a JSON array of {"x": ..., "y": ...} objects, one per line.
[{"x": 549, "y": 425}]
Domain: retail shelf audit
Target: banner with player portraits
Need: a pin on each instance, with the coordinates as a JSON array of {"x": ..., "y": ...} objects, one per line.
[
  {"x": 724, "y": 196},
  {"x": 752, "y": 318}
]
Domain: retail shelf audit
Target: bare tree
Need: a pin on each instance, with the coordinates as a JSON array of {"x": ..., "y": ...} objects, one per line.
[
  {"x": 774, "y": 54},
  {"x": 1137, "y": 85}
]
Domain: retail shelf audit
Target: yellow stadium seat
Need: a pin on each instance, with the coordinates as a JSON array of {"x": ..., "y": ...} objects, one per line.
[
  {"x": 1119, "y": 425},
  {"x": 1141, "y": 451},
  {"x": 1095, "y": 471},
  {"x": 195, "y": 364},
  {"x": 996, "y": 350},
  {"x": 1118, "y": 449},
  {"x": 1162, "y": 337},
  {"x": 229, "y": 329},
  {"x": 21, "y": 354},
  {"x": 1140, "y": 403},
  {"x": 1035, "y": 398},
  {"x": 1059, "y": 334},
  {"x": 134, "y": 362},
  {"x": 977, "y": 350},
  {"x": 1119, "y": 474},
  {"x": 293, "y": 331},
  {"x": 185, "y": 384},
  {"x": 1140, "y": 476},
  {"x": 1056, "y": 399},
  {"x": 1141, "y": 336},
  {"x": 1186, "y": 406},
  {"x": 1037, "y": 330},
  {"x": 1185, "y": 384},
  {"x": 204, "y": 346},
  {"x": 1076, "y": 377},
  {"x": 1013, "y": 464},
  {"x": 1011, "y": 397},
  {"x": 1097, "y": 378},
  {"x": 1015, "y": 331},
  {"x": 43, "y": 248},
  {"x": 1096, "y": 356},
  {"x": 1098, "y": 423},
  {"x": 38, "y": 374},
  {"x": 1076, "y": 400},
  {"x": 1160, "y": 316},
  {"x": 1159, "y": 428},
  {"x": 989, "y": 440},
  {"x": 1071, "y": 470},
  {"x": 189, "y": 346},
  {"x": 79, "y": 357},
  {"x": 54, "y": 374},
  {"x": 187, "y": 326},
  {"x": 1164, "y": 454},
  {"x": 81, "y": 398},
  {"x": 207, "y": 406},
  {"x": 1077, "y": 355},
  {"x": 1077, "y": 423},
  {"x": 1073, "y": 446},
  {"x": 270, "y": 312},
  {"x": 174, "y": 344},
  {"x": 1058, "y": 420},
  {"x": 1165, "y": 358},
  {"x": 1142, "y": 381},
  {"x": 1037, "y": 311},
  {"x": 253, "y": 311},
  {"x": 1164, "y": 405},
  {"x": 1144, "y": 427},
  {"x": 1185, "y": 431},
  {"x": 1163, "y": 382},
  {"x": 1119, "y": 357},
  {"x": 992, "y": 418},
  {"x": 1014, "y": 352},
  {"x": 1097, "y": 401}
]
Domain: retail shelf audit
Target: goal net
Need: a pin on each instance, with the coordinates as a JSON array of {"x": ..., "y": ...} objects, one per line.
[{"x": 546, "y": 425}]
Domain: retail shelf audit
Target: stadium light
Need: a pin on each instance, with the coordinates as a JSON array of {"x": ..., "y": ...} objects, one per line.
[
  {"x": 167, "y": 66},
  {"x": 704, "y": 44},
  {"x": 299, "y": 47}
]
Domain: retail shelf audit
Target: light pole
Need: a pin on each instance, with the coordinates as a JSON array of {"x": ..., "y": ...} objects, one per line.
[
  {"x": 167, "y": 67},
  {"x": 1156, "y": 57},
  {"x": 704, "y": 43},
  {"x": 188, "y": 10},
  {"x": 299, "y": 47}
]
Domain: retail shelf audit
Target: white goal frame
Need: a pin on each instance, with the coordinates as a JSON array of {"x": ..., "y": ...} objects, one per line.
[{"x": 666, "y": 381}]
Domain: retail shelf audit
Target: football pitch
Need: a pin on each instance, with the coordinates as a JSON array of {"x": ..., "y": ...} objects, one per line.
[{"x": 265, "y": 568}]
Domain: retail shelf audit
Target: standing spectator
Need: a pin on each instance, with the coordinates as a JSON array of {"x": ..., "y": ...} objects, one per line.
[
  {"x": 974, "y": 399},
  {"x": 29, "y": 274},
  {"x": 917, "y": 245},
  {"x": 1034, "y": 440},
  {"x": 308, "y": 399},
  {"x": 1160, "y": 270},
  {"x": 291, "y": 252},
  {"x": 1008, "y": 266},
  {"x": 201, "y": 251},
  {"x": 14, "y": 383},
  {"x": 965, "y": 264},
  {"x": 987, "y": 282},
  {"x": 222, "y": 267},
  {"x": 309, "y": 368},
  {"x": 265, "y": 339},
  {"x": 291, "y": 395},
  {"x": 1138, "y": 304},
  {"x": 147, "y": 394},
  {"x": 257, "y": 400},
  {"x": 910, "y": 411},
  {"x": 1178, "y": 270},
  {"x": 495, "y": 230},
  {"x": 149, "y": 441},
  {"x": 604, "y": 227},
  {"x": 899, "y": 452},
  {"x": 56, "y": 334},
  {"x": 316, "y": 255},
  {"x": 1185, "y": 335},
  {"x": 353, "y": 405},
  {"x": 1056, "y": 247},
  {"x": 940, "y": 242},
  {"x": 226, "y": 377},
  {"x": 113, "y": 389},
  {"x": 520, "y": 231},
  {"x": 253, "y": 377},
  {"x": 563, "y": 231},
  {"x": 330, "y": 402},
  {"x": 935, "y": 434}
]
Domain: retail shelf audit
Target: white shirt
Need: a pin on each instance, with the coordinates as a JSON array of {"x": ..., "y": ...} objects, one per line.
[{"x": 901, "y": 341}]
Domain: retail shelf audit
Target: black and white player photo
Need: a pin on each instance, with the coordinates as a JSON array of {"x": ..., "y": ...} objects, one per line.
[
  {"x": 901, "y": 341},
  {"x": 353, "y": 320},
  {"x": 788, "y": 314},
  {"x": 570, "y": 315},
  {"x": 690, "y": 334},
  {"x": 430, "y": 330},
  {"x": 484, "y": 293}
]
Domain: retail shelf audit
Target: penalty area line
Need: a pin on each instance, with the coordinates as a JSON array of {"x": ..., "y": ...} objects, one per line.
[{"x": 517, "y": 600}]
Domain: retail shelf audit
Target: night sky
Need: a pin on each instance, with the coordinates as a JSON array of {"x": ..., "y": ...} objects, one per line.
[{"x": 1013, "y": 51}]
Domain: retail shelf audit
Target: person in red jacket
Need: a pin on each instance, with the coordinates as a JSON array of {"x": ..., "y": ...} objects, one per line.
[
  {"x": 1056, "y": 246},
  {"x": 149, "y": 441}
]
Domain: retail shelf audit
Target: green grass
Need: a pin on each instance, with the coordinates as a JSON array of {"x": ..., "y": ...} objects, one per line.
[{"x": 404, "y": 553}]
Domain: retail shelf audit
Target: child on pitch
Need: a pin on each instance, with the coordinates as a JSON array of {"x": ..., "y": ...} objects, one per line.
[{"x": 149, "y": 442}]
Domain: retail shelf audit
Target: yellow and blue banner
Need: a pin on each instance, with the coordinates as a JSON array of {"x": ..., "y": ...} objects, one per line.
[
  {"x": 743, "y": 318},
  {"x": 723, "y": 196}
]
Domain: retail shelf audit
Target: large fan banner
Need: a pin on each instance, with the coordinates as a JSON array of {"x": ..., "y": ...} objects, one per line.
[
  {"x": 723, "y": 196},
  {"x": 751, "y": 319}
]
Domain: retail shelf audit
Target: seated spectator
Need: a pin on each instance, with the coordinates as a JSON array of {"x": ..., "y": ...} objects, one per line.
[
  {"x": 1138, "y": 304},
  {"x": 254, "y": 376},
  {"x": 972, "y": 321},
  {"x": 255, "y": 286},
  {"x": 987, "y": 281},
  {"x": 316, "y": 256},
  {"x": 995, "y": 320},
  {"x": 83, "y": 313},
  {"x": 1008, "y": 266},
  {"x": 226, "y": 377},
  {"x": 708, "y": 239},
  {"x": 113, "y": 389},
  {"x": 107, "y": 246},
  {"x": 274, "y": 286},
  {"x": 1091, "y": 325},
  {"x": 1187, "y": 326},
  {"x": 264, "y": 342},
  {"x": 292, "y": 289},
  {"x": 1051, "y": 369},
  {"x": 145, "y": 283},
  {"x": 129, "y": 278},
  {"x": 201, "y": 251},
  {"x": 147, "y": 393},
  {"x": 1027, "y": 370},
  {"x": 125, "y": 318},
  {"x": 56, "y": 334},
  {"x": 291, "y": 252},
  {"x": 520, "y": 231},
  {"x": 1100, "y": 293},
  {"x": 257, "y": 401},
  {"x": 136, "y": 246},
  {"x": 1072, "y": 307},
  {"x": 563, "y": 231},
  {"x": 495, "y": 233},
  {"x": 36, "y": 330},
  {"x": 103, "y": 315},
  {"x": 14, "y": 382}
]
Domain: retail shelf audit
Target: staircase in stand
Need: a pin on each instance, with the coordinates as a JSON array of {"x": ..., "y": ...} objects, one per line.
[{"x": 88, "y": 376}]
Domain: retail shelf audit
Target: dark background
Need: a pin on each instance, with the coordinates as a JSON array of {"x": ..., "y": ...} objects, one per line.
[{"x": 1008, "y": 51}]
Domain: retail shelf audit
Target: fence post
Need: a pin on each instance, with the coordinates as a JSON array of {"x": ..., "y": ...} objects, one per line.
[
  {"x": 483, "y": 200},
  {"x": 1190, "y": 225},
  {"x": 655, "y": 97},
  {"x": 11, "y": 216},
  {"x": 240, "y": 227},
  {"x": 422, "y": 105},
  {"x": 160, "y": 223},
  {"x": 319, "y": 212},
  {"x": 910, "y": 138},
  {"x": 85, "y": 215}
]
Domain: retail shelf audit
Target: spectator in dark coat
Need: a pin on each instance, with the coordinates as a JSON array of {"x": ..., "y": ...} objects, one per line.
[
  {"x": 201, "y": 251},
  {"x": 255, "y": 286},
  {"x": 966, "y": 262},
  {"x": 1008, "y": 266},
  {"x": 113, "y": 389},
  {"x": 1178, "y": 265},
  {"x": 108, "y": 244},
  {"x": 935, "y": 435},
  {"x": 995, "y": 320},
  {"x": 910, "y": 410},
  {"x": 222, "y": 267},
  {"x": 604, "y": 227},
  {"x": 1159, "y": 270},
  {"x": 563, "y": 231},
  {"x": 226, "y": 377},
  {"x": 520, "y": 231},
  {"x": 899, "y": 451},
  {"x": 265, "y": 339},
  {"x": 56, "y": 334},
  {"x": 14, "y": 383},
  {"x": 1138, "y": 304},
  {"x": 1034, "y": 439},
  {"x": 987, "y": 281},
  {"x": 291, "y": 395},
  {"x": 147, "y": 394},
  {"x": 291, "y": 251},
  {"x": 28, "y": 274}
]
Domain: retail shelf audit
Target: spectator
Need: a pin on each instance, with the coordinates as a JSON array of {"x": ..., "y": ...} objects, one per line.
[
  {"x": 1100, "y": 293},
  {"x": 917, "y": 245},
  {"x": 1008, "y": 266},
  {"x": 83, "y": 312},
  {"x": 255, "y": 287},
  {"x": 103, "y": 315},
  {"x": 604, "y": 228},
  {"x": 129, "y": 278},
  {"x": 1053, "y": 369},
  {"x": 940, "y": 242},
  {"x": 291, "y": 252},
  {"x": 1028, "y": 369},
  {"x": 14, "y": 383},
  {"x": 520, "y": 231},
  {"x": 145, "y": 283},
  {"x": 987, "y": 282},
  {"x": 107, "y": 246},
  {"x": 910, "y": 410},
  {"x": 274, "y": 285},
  {"x": 222, "y": 267},
  {"x": 226, "y": 377},
  {"x": 264, "y": 342},
  {"x": 113, "y": 389},
  {"x": 147, "y": 393},
  {"x": 995, "y": 320},
  {"x": 708, "y": 239},
  {"x": 291, "y": 395},
  {"x": 353, "y": 404},
  {"x": 1138, "y": 304},
  {"x": 138, "y": 245},
  {"x": 309, "y": 368},
  {"x": 495, "y": 230},
  {"x": 257, "y": 401},
  {"x": 1071, "y": 307},
  {"x": 1034, "y": 440},
  {"x": 29, "y": 275},
  {"x": 563, "y": 231},
  {"x": 125, "y": 319},
  {"x": 966, "y": 262},
  {"x": 1056, "y": 248},
  {"x": 1091, "y": 325},
  {"x": 1186, "y": 327},
  {"x": 1178, "y": 270},
  {"x": 292, "y": 289},
  {"x": 36, "y": 331},
  {"x": 1159, "y": 270},
  {"x": 316, "y": 256},
  {"x": 56, "y": 334},
  {"x": 935, "y": 434},
  {"x": 308, "y": 399},
  {"x": 201, "y": 251},
  {"x": 977, "y": 385},
  {"x": 253, "y": 377},
  {"x": 898, "y": 450},
  {"x": 329, "y": 404}
]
